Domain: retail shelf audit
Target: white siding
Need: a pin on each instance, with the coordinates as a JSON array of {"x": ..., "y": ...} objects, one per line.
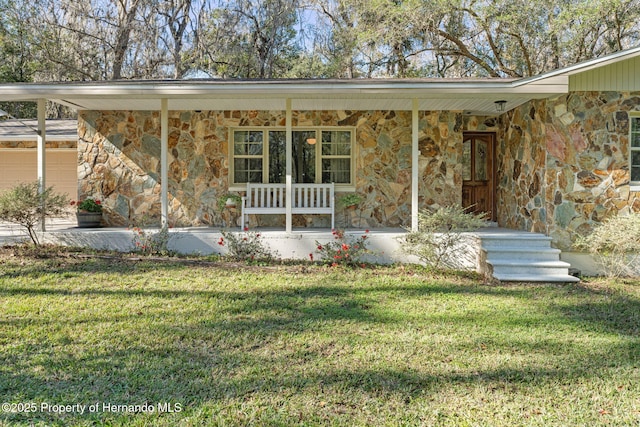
[{"x": 623, "y": 76}]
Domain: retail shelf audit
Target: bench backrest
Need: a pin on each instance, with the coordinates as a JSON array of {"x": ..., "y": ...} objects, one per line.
[
  {"x": 265, "y": 195},
  {"x": 310, "y": 196}
]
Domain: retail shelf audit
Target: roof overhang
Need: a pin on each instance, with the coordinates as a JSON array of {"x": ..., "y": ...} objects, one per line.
[
  {"x": 471, "y": 96},
  {"x": 24, "y": 130}
]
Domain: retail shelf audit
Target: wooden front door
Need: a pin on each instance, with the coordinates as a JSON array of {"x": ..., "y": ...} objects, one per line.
[{"x": 478, "y": 173}]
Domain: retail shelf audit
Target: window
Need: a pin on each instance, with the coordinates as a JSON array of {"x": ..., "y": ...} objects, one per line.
[
  {"x": 318, "y": 156},
  {"x": 634, "y": 148}
]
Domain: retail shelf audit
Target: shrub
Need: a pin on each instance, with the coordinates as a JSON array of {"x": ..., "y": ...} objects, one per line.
[
  {"x": 88, "y": 205},
  {"x": 246, "y": 246},
  {"x": 439, "y": 235},
  {"x": 615, "y": 245},
  {"x": 151, "y": 242},
  {"x": 26, "y": 206},
  {"x": 344, "y": 249}
]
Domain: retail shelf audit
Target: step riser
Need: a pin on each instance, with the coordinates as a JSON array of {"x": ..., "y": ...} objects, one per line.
[
  {"x": 530, "y": 256},
  {"x": 501, "y": 244},
  {"x": 530, "y": 270},
  {"x": 538, "y": 279}
]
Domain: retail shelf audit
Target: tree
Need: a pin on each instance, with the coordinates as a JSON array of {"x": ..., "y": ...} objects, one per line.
[
  {"x": 26, "y": 206},
  {"x": 250, "y": 39}
]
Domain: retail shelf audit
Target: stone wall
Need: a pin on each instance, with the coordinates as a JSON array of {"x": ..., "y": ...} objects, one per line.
[
  {"x": 119, "y": 162},
  {"x": 587, "y": 144},
  {"x": 521, "y": 165},
  {"x": 563, "y": 164}
]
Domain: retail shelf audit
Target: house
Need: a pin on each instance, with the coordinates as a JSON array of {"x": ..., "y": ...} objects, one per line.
[
  {"x": 18, "y": 154},
  {"x": 555, "y": 153}
]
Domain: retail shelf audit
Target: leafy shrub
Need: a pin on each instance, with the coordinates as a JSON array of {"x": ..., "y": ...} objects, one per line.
[
  {"x": 344, "y": 249},
  {"x": 246, "y": 246},
  {"x": 26, "y": 206},
  {"x": 149, "y": 242},
  {"x": 88, "y": 205},
  {"x": 439, "y": 235},
  {"x": 615, "y": 245}
]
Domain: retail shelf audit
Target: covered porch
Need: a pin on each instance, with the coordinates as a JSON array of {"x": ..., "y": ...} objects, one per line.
[{"x": 167, "y": 148}]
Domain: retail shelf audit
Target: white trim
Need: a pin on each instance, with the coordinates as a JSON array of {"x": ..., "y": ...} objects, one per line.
[
  {"x": 164, "y": 168},
  {"x": 415, "y": 157},
  {"x": 42, "y": 152},
  {"x": 289, "y": 167}
]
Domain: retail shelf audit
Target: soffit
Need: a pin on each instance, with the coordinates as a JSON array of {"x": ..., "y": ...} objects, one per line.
[{"x": 476, "y": 96}]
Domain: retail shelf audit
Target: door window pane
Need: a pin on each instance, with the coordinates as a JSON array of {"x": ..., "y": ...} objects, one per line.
[
  {"x": 481, "y": 160},
  {"x": 466, "y": 160}
]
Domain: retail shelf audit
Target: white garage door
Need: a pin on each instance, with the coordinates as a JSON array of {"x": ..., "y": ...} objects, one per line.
[{"x": 20, "y": 165}]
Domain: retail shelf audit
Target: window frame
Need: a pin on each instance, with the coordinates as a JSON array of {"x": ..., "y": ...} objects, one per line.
[
  {"x": 633, "y": 116},
  {"x": 343, "y": 187}
]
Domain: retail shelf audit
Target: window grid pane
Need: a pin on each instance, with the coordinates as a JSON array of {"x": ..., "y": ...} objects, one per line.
[
  {"x": 635, "y": 149},
  {"x": 635, "y": 132},
  {"x": 336, "y": 170},
  {"x": 248, "y": 143},
  {"x": 336, "y": 143},
  {"x": 247, "y": 170}
]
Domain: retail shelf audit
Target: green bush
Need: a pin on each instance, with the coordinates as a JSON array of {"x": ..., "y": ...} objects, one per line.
[
  {"x": 615, "y": 245},
  {"x": 439, "y": 233},
  {"x": 344, "y": 249},
  {"x": 246, "y": 246},
  {"x": 147, "y": 242},
  {"x": 26, "y": 206}
]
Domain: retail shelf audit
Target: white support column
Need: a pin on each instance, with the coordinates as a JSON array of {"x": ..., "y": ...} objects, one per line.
[
  {"x": 414, "y": 165},
  {"x": 164, "y": 168},
  {"x": 289, "y": 168},
  {"x": 42, "y": 158}
]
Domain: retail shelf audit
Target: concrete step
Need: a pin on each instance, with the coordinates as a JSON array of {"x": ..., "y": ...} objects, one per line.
[
  {"x": 545, "y": 278},
  {"x": 533, "y": 267},
  {"x": 518, "y": 256},
  {"x": 519, "y": 240},
  {"x": 522, "y": 253}
]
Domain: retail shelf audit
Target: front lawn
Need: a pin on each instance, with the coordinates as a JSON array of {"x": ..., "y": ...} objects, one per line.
[{"x": 169, "y": 343}]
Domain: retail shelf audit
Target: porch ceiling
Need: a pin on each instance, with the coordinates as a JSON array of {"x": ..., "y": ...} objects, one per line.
[{"x": 471, "y": 96}]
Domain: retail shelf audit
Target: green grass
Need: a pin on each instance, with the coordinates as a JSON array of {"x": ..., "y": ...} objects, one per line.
[{"x": 296, "y": 345}]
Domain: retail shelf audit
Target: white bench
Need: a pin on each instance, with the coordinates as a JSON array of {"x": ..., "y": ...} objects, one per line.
[{"x": 264, "y": 199}]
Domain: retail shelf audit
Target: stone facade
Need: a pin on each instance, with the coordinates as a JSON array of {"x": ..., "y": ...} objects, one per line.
[
  {"x": 119, "y": 162},
  {"x": 563, "y": 164}
]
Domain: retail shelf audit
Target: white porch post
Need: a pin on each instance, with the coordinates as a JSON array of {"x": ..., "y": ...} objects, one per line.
[
  {"x": 414, "y": 165},
  {"x": 164, "y": 154},
  {"x": 289, "y": 168},
  {"x": 42, "y": 163}
]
